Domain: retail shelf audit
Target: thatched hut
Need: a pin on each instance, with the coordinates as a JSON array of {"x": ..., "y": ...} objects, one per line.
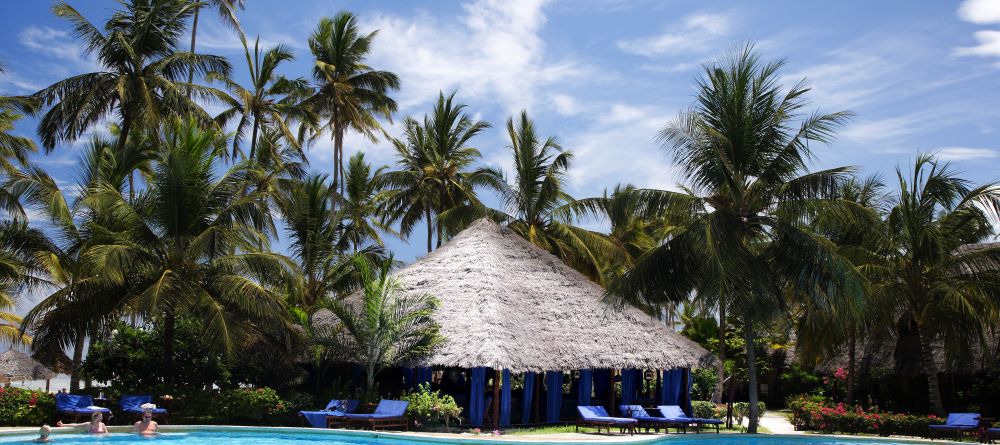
[
  {"x": 508, "y": 307},
  {"x": 18, "y": 366}
]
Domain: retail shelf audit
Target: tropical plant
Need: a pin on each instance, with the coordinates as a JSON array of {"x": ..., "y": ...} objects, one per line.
[
  {"x": 140, "y": 80},
  {"x": 191, "y": 243},
  {"x": 267, "y": 102},
  {"x": 744, "y": 156},
  {"x": 435, "y": 161},
  {"x": 226, "y": 10},
  {"x": 14, "y": 150},
  {"x": 361, "y": 213},
  {"x": 536, "y": 205},
  {"x": 935, "y": 270},
  {"x": 384, "y": 326},
  {"x": 19, "y": 270},
  {"x": 349, "y": 95}
]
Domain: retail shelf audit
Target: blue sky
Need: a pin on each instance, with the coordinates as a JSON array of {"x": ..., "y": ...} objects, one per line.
[{"x": 606, "y": 75}]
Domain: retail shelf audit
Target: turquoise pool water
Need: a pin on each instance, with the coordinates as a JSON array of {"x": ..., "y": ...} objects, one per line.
[{"x": 301, "y": 437}]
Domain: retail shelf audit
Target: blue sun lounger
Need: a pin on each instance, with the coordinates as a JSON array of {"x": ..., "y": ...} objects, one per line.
[
  {"x": 335, "y": 408},
  {"x": 132, "y": 405},
  {"x": 676, "y": 413},
  {"x": 639, "y": 413},
  {"x": 78, "y": 406},
  {"x": 597, "y": 416},
  {"x": 388, "y": 414},
  {"x": 958, "y": 423}
]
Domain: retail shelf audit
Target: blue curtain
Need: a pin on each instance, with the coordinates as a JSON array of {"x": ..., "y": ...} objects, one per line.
[
  {"x": 357, "y": 376},
  {"x": 529, "y": 393},
  {"x": 602, "y": 384},
  {"x": 670, "y": 393},
  {"x": 408, "y": 380},
  {"x": 553, "y": 395},
  {"x": 477, "y": 401},
  {"x": 424, "y": 375},
  {"x": 505, "y": 399},
  {"x": 585, "y": 386},
  {"x": 630, "y": 385},
  {"x": 687, "y": 398}
]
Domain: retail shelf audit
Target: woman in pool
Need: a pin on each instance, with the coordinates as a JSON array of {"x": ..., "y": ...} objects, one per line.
[
  {"x": 95, "y": 426},
  {"x": 43, "y": 434},
  {"x": 146, "y": 426}
]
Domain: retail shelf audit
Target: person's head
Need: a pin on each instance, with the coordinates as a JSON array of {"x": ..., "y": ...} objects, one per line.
[
  {"x": 44, "y": 431},
  {"x": 96, "y": 417},
  {"x": 147, "y": 415}
]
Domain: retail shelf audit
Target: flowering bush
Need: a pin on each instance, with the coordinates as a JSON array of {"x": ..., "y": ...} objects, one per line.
[
  {"x": 252, "y": 404},
  {"x": 817, "y": 414},
  {"x": 430, "y": 407},
  {"x": 707, "y": 410},
  {"x": 25, "y": 407}
]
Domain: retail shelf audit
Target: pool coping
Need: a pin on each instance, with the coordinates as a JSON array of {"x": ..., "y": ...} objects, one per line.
[{"x": 478, "y": 439}]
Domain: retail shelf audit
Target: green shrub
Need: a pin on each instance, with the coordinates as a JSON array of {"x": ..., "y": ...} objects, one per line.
[
  {"x": 25, "y": 407},
  {"x": 818, "y": 414},
  {"x": 742, "y": 410},
  {"x": 703, "y": 409},
  {"x": 431, "y": 407},
  {"x": 249, "y": 404}
]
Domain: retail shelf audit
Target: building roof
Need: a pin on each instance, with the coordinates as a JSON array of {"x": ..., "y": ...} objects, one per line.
[{"x": 16, "y": 365}]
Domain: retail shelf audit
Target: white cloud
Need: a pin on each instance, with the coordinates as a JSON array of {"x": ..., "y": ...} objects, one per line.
[
  {"x": 59, "y": 45},
  {"x": 989, "y": 45},
  {"x": 980, "y": 12},
  {"x": 965, "y": 153},
  {"x": 493, "y": 54},
  {"x": 696, "y": 33},
  {"x": 565, "y": 104},
  {"x": 219, "y": 38}
]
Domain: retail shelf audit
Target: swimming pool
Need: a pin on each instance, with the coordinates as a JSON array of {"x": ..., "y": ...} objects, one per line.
[{"x": 299, "y": 436}]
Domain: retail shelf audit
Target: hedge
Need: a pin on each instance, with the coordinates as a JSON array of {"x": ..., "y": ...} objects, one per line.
[
  {"x": 19, "y": 407},
  {"x": 817, "y": 414}
]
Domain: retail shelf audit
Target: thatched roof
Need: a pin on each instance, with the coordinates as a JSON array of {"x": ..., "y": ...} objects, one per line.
[
  {"x": 506, "y": 304},
  {"x": 16, "y": 365}
]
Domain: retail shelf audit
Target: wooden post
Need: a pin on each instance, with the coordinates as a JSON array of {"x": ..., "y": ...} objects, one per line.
[
  {"x": 496, "y": 399},
  {"x": 611, "y": 396}
]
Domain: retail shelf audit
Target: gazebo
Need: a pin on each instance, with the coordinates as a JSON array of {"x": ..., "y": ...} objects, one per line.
[
  {"x": 18, "y": 366},
  {"x": 509, "y": 308}
]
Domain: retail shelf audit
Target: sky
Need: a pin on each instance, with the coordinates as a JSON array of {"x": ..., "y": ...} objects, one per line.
[{"x": 604, "y": 76}]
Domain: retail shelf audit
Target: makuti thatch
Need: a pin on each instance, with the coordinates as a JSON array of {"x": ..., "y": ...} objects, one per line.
[
  {"x": 506, "y": 304},
  {"x": 16, "y": 365}
]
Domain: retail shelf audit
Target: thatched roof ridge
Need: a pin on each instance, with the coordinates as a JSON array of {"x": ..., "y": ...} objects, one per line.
[
  {"x": 506, "y": 304},
  {"x": 16, "y": 365}
]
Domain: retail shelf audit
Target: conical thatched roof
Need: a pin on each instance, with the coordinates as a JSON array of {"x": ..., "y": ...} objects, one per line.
[
  {"x": 506, "y": 304},
  {"x": 16, "y": 365}
]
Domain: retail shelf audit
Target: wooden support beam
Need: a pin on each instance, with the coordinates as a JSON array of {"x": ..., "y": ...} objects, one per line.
[{"x": 496, "y": 399}]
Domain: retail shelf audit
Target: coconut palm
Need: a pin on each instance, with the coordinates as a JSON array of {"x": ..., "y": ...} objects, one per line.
[
  {"x": 140, "y": 81},
  {"x": 436, "y": 160},
  {"x": 20, "y": 269},
  {"x": 934, "y": 271},
  {"x": 361, "y": 213},
  {"x": 536, "y": 205},
  {"x": 267, "y": 102},
  {"x": 191, "y": 243},
  {"x": 386, "y": 326},
  {"x": 226, "y": 10},
  {"x": 743, "y": 149},
  {"x": 350, "y": 95},
  {"x": 14, "y": 149}
]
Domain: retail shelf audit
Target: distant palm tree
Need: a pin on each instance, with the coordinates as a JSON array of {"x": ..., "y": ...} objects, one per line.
[
  {"x": 744, "y": 246},
  {"x": 139, "y": 83},
  {"x": 436, "y": 161},
  {"x": 20, "y": 269},
  {"x": 361, "y": 213},
  {"x": 193, "y": 242},
  {"x": 386, "y": 326},
  {"x": 350, "y": 95},
  {"x": 267, "y": 102},
  {"x": 536, "y": 205},
  {"x": 14, "y": 149},
  {"x": 933, "y": 270},
  {"x": 227, "y": 15}
]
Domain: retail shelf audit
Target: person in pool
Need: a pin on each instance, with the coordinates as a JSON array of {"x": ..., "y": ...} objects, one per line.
[
  {"x": 95, "y": 426},
  {"x": 43, "y": 434},
  {"x": 146, "y": 426}
]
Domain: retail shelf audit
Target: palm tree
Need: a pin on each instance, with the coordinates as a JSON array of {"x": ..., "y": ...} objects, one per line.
[
  {"x": 743, "y": 154},
  {"x": 12, "y": 147},
  {"x": 536, "y": 205},
  {"x": 191, "y": 243},
  {"x": 227, "y": 15},
  {"x": 270, "y": 98},
  {"x": 361, "y": 213},
  {"x": 350, "y": 95},
  {"x": 386, "y": 327},
  {"x": 436, "y": 161},
  {"x": 139, "y": 83},
  {"x": 934, "y": 270},
  {"x": 20, "y": 269}
]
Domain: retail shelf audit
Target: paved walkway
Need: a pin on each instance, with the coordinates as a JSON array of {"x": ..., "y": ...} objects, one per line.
[{"x": 777, "y": 422}]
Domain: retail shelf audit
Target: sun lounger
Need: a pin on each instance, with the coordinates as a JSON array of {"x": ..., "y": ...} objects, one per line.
[
  {"x": 675, "y": 413},
  {"x": 335, "y": 408},
  {"x": 131, "y": 405},
  {"x": 958, "y": 423},
  {"x": 76, "y": 407},
  {"x": 639, "y": 413},
  {"x": 388, "y": 414},
  {"x": 597, "y": 416}
]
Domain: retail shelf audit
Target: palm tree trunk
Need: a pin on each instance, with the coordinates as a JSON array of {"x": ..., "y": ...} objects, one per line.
[
  {"x": 438, "y": 233},
  {"x": 751, "y": 377},
  {"x": 122, "y": 140},
  {"x": 253, "y": 138},
  {"x": 430, "y": 230},
  {"x": 930, "y": 371},
  {"x": 720, "y": 371},
  {"x": 852, "y": 357},
  {"x": 168, "y": 348},
  {"x": 74, "y": 376},
  {"x": 194, "y": 35}
]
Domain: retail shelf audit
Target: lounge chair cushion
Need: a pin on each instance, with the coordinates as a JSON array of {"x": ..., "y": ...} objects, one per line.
[
  {"x": 386, "y": 409},
  {"x": 674, "y": 412},
  {"x": 599, "y": 414},
  {"x": 958, "y": 422},
  {"x": 77, "y": 404},
  {"x": 133, "y": 403},
  {"x": 336, "y": 407}
]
